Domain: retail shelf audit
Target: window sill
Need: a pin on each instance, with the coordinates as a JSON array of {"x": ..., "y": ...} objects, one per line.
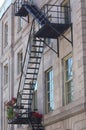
[
  {"x": 50, "y": 112},
  {"x": 64, "y": 112}
]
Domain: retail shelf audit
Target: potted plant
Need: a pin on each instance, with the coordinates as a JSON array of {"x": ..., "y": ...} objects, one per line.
[
  {"x": 10, "y": 111},
  {"x": 36, "y": 117}
]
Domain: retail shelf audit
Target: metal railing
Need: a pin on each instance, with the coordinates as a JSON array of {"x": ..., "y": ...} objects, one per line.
[
  {"x": 57, "y": 13},
  {"x": 18, "y": 4}
]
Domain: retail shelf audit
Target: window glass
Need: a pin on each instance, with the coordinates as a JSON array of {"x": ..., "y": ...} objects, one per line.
[
  {"x": 19, "y": 24},
  {"x": 6, "y": 34},
  {"x": 5, "y": 74},
  {"x": 34, "y": 101},
  {"x": 49, "y": 91},
  {"x": 19, "y": 62},
  {"x": 65, "y": 8}
]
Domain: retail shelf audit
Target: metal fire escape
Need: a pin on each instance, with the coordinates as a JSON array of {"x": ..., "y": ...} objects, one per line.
[{"x": 54, "y": 20}]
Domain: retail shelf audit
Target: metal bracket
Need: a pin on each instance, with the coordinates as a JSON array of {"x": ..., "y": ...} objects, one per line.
[
  {"x": 71, "y": 41},
  {"x": 47, "y": 45}
]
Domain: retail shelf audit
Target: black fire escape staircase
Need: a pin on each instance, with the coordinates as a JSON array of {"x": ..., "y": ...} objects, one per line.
[{"x": 60, "y": 23}]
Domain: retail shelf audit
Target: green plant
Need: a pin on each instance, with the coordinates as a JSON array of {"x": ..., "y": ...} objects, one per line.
[{"x": 10, "y": 112}]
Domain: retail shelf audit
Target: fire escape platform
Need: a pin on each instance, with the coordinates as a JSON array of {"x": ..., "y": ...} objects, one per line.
[
  {"x": 18, "y": 120},
  {"x": 52, "y": 30},
  {"x": 22, "y": 12}
]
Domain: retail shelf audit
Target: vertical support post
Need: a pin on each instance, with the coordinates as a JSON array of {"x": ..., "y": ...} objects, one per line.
[{"x": 58, "y": 47}]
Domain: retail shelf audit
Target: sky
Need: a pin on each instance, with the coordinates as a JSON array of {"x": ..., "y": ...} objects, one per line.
[{"x": 1, "y": 2}]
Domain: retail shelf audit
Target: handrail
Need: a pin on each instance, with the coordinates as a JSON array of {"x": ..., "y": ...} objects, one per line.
[
  {"x": 63, "y": 12},
  {"x": 25, "y": 58}
]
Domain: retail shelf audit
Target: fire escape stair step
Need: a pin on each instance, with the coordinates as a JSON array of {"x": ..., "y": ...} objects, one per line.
[
  {"x": 35, "y": 57},
  {"x": 38, "y": 46},
  {"x": 31, "y": 78},
  {"x": 27, "y": 93},
  {"x": 32, "y": 73},
  {"x": 32, "y": 68},
  {"x": 36, "y": 51},
  {"x": 34, "y": 62},
  {"x": 18, "y": 107},
  {"x": 29, "y": 84},
  {"x": 26, "y": 103},
  {"x": 28, "y": 88},
  {"x": 26, "y": 98}
]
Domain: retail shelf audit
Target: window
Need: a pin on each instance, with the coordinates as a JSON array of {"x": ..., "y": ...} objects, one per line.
[
  {"x": 35, "y": 98},
  {"x": 66, "y": 11},
  {"x": 19, "y": 62},
  {"x": 5, "y": 74},
  {"x": 49, "y": 90},
  {"x": 19, "y": 24},
  {"x": 6, "y": 34},
  {"x": 47, "y": 40},
  {"x": 68, "y": 80}
]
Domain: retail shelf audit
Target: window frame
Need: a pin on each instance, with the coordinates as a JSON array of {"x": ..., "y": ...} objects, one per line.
[
  {"x": 19, "y": 62},
  {"x": 47, "y": 102},
  {"x": 34, "y": 100},
  {"x": 67, "y": 19},
  {"x": 66, "y": 89},
  {"x": 19, "y": 24},
  {"x": 5, "y": 34},
  {"x": 6, "y": 74}
]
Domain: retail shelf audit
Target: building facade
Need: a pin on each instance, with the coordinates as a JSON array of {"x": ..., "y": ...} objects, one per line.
[{"x": 60, "y": 92}]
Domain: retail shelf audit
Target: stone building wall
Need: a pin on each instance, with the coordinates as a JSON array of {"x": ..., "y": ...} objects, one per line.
[{"x": 68, "y": 117}]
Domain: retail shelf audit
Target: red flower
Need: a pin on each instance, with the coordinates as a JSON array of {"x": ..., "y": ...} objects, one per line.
[
  {"x": 11, "y": 102},
  {"x": 37, "y": 115}
]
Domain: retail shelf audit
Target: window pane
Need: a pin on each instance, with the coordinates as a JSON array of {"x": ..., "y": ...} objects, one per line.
[
  {"x": 6, "y": 35},
  {"x": 19, "y": 23},
  {"x": 34, "y": 101},
  {"x": 69, "y": 72},
  {"x": 5, "y": 74},
  {"x": 20, "y": 61},
  {"x": 49, "y": 91}
]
